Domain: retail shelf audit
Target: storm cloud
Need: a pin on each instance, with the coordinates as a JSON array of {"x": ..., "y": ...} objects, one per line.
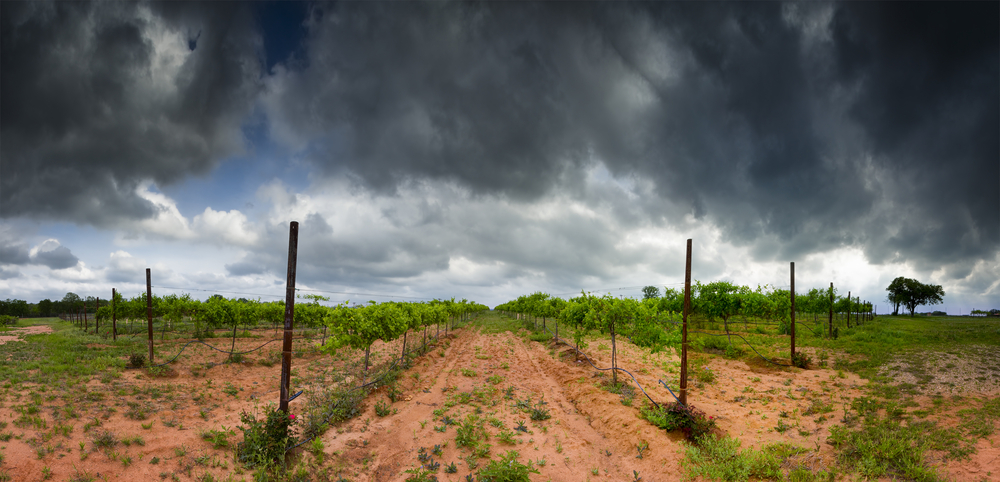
[
  {"x": 100, "y": 97},
  {"x": 814, "y": 126},
  {"x": 519, "y": 141}
]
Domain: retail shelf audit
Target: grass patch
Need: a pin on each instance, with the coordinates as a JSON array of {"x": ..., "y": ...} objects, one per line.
[{"x": 720, "y": 458}]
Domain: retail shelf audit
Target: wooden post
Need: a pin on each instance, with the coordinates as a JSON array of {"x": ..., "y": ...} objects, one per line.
[
  {"x": 831, "y": 309},
  {"x": 114, "y": 316},
  {"x": 149, "y": 313},
  {"x": 286, "y": 348},
  {"x": 848, "y": 309},
  {"x": 97, "y": 321},
  {"x": 86, "y": 323},
  {"x": 857, "y": 314},
  {"x": 684, "y": 326},
  {"x": 793, "y": 310}
]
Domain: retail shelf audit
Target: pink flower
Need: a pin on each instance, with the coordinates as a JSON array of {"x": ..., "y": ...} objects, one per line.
[{"x": 291, "y": 417}]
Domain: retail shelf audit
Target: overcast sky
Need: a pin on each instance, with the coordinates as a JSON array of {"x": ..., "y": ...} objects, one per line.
[{"x": 490, "y": 150}]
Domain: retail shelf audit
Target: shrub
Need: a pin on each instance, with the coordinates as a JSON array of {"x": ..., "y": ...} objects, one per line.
[
  {"x": 693, "y": 422},
  {"x": 136, "y": 360},
  {"x": 265, "y": 441},
  {"x": 801, "y": 360},
  {"x": 8, "y": 320}
]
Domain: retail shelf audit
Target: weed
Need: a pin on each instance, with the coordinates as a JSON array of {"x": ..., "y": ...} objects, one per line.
[
  {"x": 218, "y": 438},
  {"x": 506, "y": 469},
  {"x": 105, "y": 440},
  {"x": 265, "y": 441},
  {"x": 135, "y": 439},
  {"x": 136, "y": 360},
  {"x": 382, "y": 409},
  {"x": 693, "y": 422}
]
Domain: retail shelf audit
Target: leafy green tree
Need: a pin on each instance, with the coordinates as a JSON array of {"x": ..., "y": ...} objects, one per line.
[
  {"x": 649, "y": 292},
  {"x": 911, "y": 293},
  {"x": 45, "y": 307}
]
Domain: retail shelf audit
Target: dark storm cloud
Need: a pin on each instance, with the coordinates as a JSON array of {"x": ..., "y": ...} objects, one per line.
[
  {"x": 13, "y": 252},
  {"x": 801, "y": 128},
  {"x": 929, "y": 78},
  {"x": 56, "y": 258},
  {"x": 92, "y": 103},
  {"x": 50, "y": 254}
]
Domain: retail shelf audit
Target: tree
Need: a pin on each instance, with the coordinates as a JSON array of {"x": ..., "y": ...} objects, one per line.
[
  {"x": 911, "y": 293},
  {"x": 45, "y": 307},
  {"x": 649, "y": 292}
]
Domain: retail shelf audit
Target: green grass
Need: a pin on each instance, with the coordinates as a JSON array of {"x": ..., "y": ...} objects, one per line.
[{"x": 720, "y": 458}]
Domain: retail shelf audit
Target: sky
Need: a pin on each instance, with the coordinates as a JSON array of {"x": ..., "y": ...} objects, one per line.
[{"x": 490, "y": 150}]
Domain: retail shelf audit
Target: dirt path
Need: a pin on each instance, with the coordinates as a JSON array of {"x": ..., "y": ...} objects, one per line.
[{"x": 587, "y": 435}]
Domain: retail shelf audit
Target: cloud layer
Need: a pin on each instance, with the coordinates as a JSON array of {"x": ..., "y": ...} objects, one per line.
[{"x": 544, "y": 144}]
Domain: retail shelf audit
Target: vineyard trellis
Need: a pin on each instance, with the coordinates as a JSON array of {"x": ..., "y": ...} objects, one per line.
[{"x": 650, "y": 322}]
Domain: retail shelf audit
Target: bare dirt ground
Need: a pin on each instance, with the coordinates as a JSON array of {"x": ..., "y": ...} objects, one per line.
[
  {"x": 17, "y": 333},
  {"x": 593, "y": 434}
]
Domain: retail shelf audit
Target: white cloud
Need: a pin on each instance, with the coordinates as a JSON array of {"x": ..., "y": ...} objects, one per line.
[{"x": 225, "y": 227}]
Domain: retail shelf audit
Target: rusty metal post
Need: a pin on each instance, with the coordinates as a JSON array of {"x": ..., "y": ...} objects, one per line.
[
  {"x": 114, "y": 316},
  {"x": 831, "y": 309},
  {"x": 792, "y": 290},
  {"x": 684, "y": 327},
  {"x": 149, "y": 313},
  {"x": 286, "y": 347}
]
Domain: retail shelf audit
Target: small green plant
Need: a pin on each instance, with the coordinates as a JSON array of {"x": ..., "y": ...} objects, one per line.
[
  {"x": 230, "y": 390},
  {"x": 382, "y": 409},
  {"x": 538, "y": 413},
  {"x": 468, "y": 372},
  {"x": 136, "y": 360},
  {"x": 265, "y": 441},
  {"x": 801, "y": 360},
  {"x": 420, "y": 475},
  {"x": 506, "y": 469},
  {"x": 693, "y": 422},
  {"x": 105, "y": 440},
  {"x": 218, "y": 438}
]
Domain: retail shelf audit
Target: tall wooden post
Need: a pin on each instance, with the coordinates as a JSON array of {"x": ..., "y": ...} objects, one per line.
[
  {"x": 286, "y": 347},
  {"x": 793, "y": 310},
  {"x": 114, "y": 316},
  {"x": 97, "y": 321},
  {"x": 831, "y": 309},
  {"x": 86, "y": 322},
  {"x": 684, "y": 326},
  {"x": 848, "y": 309},
  {"x": 149, "y": 313}
]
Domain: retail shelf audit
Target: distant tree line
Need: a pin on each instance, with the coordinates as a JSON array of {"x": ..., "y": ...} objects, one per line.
[{"x": 71, "y": 303}]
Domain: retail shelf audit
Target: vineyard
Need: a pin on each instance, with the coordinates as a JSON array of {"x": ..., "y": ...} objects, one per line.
[
  {"x": 478, "y": 394},
  {"x": 720, "y": 382}
]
